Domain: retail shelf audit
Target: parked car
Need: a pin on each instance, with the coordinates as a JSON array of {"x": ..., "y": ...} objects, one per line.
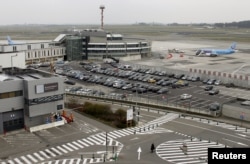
[
  {"x": 70, "y": 82},
  {"x": 217, "y": 82},
  {"x": 162, "y": 90},
  {"x": 214, "y": 106},
  {"x": 211, "y": 81},
  {"x": 247, "y": 103},
  {"x": 214, "y": 92},
  {"x": 208, "y": 88},
  {"x": 229, "y": 85},
  {"x": 196, "y": 78},
  {"x": 151, "y": 80},
  {"x": 185, "y": 96},
  {"x": 205, "y": 81}
]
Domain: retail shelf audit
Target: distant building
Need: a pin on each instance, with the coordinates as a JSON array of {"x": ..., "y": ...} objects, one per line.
[
  {"x": 99, "y": 44},
  {"x": 30, "y": 53},
  {"x": 28, "y": 98}
]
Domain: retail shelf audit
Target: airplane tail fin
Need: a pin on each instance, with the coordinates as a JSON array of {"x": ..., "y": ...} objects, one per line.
[
  {"x": 233, "y": 46},
  {"x": 10, "y": 42}
]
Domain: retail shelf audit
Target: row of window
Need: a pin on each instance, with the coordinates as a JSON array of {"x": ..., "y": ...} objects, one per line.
[
  {"x": 11, "y": 94},
  {"x": 44, "y": 53},
  {"x": 113, "y": 51},
  {"x": 28, "y": 47},
  {"x": 117, "y": 46},
  {"x": 42, "y": 100}
]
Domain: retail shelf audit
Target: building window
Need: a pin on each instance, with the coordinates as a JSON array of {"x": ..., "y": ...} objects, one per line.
[
  {"x": 11, "y": 94},
  {"x": 59, "y": 107},
  {"x": 28, "y": 55},
  {"x": 14, "y": 48},
  {"x": 42, "y": 46},
  {"x": 29, "y": 47}
]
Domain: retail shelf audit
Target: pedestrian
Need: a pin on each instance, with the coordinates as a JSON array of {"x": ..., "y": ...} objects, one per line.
[{"x": 152, "y": 148}]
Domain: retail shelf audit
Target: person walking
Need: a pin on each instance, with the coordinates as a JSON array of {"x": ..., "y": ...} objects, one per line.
[{"x": 152, "y": 148}]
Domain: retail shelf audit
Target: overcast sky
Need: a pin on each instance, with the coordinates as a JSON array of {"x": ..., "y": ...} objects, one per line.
[{"x": 122, "y": 11}]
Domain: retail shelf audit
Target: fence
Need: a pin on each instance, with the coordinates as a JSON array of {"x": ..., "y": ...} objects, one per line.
[{"x": 148, "y": 102}]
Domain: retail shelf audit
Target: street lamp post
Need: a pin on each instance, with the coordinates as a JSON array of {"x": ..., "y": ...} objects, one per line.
[{"x": 12, "y": 61}]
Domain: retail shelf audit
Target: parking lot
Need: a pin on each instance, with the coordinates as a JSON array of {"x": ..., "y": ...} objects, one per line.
[{"x": 110, "y": 80}]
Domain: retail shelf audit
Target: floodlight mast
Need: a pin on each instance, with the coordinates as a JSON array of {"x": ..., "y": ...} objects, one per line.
[{"x": 102, "y": 7}]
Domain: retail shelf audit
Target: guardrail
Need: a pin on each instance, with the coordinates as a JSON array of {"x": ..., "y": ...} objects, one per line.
[{"x": 139, "y": 101}]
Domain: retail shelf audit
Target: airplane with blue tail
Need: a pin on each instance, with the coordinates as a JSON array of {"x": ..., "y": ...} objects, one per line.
[
  {"x": 10, "y": 42},
  {"x": 216, "y": 52}
]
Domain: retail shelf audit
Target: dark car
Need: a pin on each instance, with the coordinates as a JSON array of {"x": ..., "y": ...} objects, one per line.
[
  {"x": 214, "y": 106},
  {"x": 211, "y": 81},
  {"x": 229, "y": 85},
  {"x": 196, "y": 78},
  {"x": 214, "y": 92},
  {"x": 205, "y": 81},
  {"x": 208, "y": 88},
  {"x": 162, "y": 90},
  {"x": 70, "y": 82}
]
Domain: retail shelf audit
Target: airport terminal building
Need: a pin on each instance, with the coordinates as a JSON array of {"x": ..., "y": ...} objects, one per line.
[
  {"x": 20, "y": 55},
  {"x": 28, "y": 97},
  {"x": 99, "y": 44}
]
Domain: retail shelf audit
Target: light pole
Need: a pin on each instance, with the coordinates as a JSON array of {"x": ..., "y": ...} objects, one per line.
[{"x": 12, "y": 61}]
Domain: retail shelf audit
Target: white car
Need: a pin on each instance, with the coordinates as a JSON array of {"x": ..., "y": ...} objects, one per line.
[
  {"x": 217, "y": 82},
  {"x": 185, "y": 96}
]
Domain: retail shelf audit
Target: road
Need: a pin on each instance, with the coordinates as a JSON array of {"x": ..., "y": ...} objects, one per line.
[{"x": 87, "y": 137}]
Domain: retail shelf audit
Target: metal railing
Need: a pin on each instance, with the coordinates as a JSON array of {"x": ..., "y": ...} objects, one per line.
[{"x": 141, "y": 101}]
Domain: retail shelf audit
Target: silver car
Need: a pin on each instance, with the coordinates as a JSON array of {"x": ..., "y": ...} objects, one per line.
[{"x": 185, "y": 96}]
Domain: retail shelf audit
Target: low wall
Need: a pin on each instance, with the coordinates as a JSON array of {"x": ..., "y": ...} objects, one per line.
[
  {"x": 46, "y": 126},
  {"x": 236, "y": 112}
]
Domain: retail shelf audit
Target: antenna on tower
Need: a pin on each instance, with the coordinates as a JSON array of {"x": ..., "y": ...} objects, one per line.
[{"x": 102, "y": 7}]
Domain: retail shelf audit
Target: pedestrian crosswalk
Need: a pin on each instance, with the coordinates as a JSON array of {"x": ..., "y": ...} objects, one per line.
[
  {"x": 75, "y": 161},
  {"x": 109, "y": 139},
  {"x": 219, "y": 124},
  {"x": 173, "y": 152}
]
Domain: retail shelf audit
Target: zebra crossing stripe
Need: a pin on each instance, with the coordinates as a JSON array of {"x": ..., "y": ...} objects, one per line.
[
  {"x": 32, "y": 158},
  {"x": 38, "y": 156},
  {"x": 63, "y": 150},
  {"x": 85, "y": 160},
  {"x": 128, "y": 131},
  {"x": 10, "y": 162},
  {"x": 25, "y": 160},
  {"x": 85, "y": 140},
  {"x": 75, "y": 143},
  {"x": 66, "y": 147},
  {"x": 56, "y": 151},
  {"x": 71, "y": 161},
  {"x": 78, "y": 161},
  {"x": 113, "y": 135},
  {"x": 64, "y": 162},
  {"x": 44, "y": 154},
  {"x": 89, "y": 138},
  {"x": 18, "y": 161},
  {"x": 97, "y": 139},
  {"x": 51, "y": 153},
  {"x": 120, "y": 133},
  {"x": 82, "y": 143},
  {"x": 57, "y": 161},
  {"x": 193, "y": 162},
  {"x": 74, "y": 147}
]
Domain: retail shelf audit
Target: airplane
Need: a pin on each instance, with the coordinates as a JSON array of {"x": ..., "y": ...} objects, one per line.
[
  {"x": 10, "y": 42},
  {"x": 216, "y": 52}
]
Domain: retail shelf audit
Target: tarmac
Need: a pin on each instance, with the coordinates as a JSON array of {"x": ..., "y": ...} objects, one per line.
[{"x": 238, "y": 62}]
